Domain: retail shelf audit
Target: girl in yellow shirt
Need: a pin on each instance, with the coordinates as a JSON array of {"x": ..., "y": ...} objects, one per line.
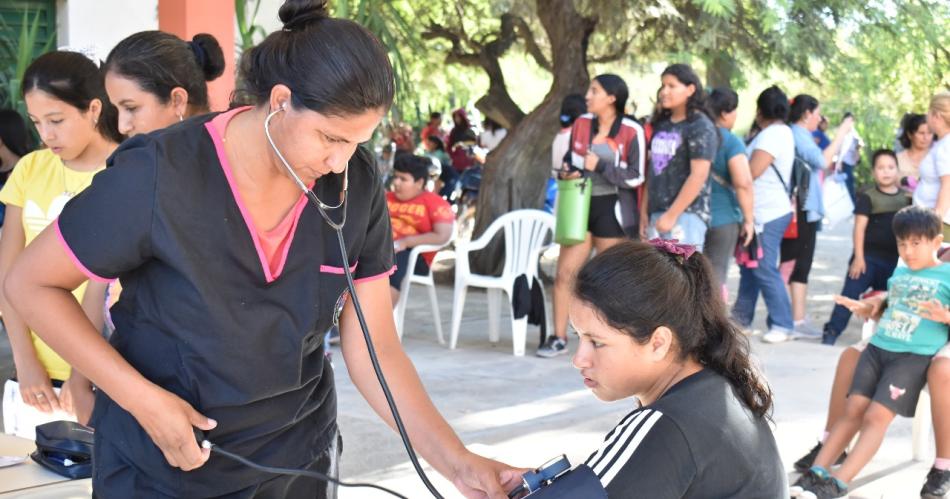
[{"x": 66, "y": 100}]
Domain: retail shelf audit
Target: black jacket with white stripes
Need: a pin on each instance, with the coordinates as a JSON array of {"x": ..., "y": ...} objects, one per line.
[{"x": 697, "y": 441}]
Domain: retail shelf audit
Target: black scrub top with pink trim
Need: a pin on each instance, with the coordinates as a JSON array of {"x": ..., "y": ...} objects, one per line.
[{"x": 200, "y": 313}]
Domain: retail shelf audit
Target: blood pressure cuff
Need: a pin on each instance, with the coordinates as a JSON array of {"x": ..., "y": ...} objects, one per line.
[
  {"x": 65, "y": 448},
  {"x": 579, "y": 482}
]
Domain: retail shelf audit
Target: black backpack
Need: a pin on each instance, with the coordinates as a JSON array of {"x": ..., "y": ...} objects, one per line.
[{"x": 801, "y": 178}]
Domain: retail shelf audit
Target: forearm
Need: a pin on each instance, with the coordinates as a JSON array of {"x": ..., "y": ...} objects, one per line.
[
  {"x": 21, "y": 343},
  {"x": 60, "y": 321},
  {"x": 833, "y": 149},
  {"x": 744, "y": 194},
  {"x": 625, "y": 178},
  {"x": 428, "y": 431},
  {"x": 420, "y": 239},
  {"x": 860, "y": 224},
  {"x": 94, "y": 303},
  {"x": 691, "y": 188}
]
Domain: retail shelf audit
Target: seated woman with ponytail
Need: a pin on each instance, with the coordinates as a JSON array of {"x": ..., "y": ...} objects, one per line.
[{"x": 700, "y": 426}]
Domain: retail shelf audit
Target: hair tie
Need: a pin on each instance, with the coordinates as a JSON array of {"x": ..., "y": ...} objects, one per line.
[
  {"x": 673, "y": 247},
  {"x": 200, "y": 55}
]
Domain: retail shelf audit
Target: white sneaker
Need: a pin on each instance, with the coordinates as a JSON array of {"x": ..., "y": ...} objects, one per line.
[
  {"x": 775, "y": 336},
  {"x": 804, "y": 329}
]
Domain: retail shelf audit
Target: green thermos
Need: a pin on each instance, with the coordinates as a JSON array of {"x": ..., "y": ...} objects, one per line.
[{"x": 573, "y": 209}]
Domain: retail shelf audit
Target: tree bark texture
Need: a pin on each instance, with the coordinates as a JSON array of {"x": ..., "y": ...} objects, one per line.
[{"x": 516, "y": 173}]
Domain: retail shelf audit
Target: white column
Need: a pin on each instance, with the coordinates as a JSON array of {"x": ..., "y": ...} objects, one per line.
[{"x": 95, "y": 26}]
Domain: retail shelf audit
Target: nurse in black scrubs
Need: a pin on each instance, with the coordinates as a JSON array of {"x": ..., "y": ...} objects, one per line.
[{"x": 231, "y": 278}]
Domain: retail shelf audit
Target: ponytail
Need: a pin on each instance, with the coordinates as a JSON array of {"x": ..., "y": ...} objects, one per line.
[
  {"x": 725, "y": 349},
  {"x": 672, "y": 286}
]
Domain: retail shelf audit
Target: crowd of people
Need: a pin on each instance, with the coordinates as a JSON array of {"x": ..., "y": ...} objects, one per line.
[
  {"x": 760, "y": 200},
  {"x": 153, "y": 250}
]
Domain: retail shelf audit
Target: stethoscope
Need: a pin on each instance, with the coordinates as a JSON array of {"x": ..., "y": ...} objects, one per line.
[
  {"x": 351, "y": 286},
  {"x": 321, "y": 206}
]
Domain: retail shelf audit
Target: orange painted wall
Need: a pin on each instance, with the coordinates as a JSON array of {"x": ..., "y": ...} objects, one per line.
[{"x": 186, "y": 18}]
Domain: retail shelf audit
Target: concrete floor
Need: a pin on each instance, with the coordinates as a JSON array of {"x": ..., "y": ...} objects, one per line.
[{"x": 526, "y": 410}]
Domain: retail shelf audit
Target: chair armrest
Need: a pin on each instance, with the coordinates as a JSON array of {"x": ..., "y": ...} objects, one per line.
[{"x": 482, "y": 240}]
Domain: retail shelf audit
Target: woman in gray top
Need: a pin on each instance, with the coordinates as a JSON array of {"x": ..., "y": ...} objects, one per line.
[{"x": 609, "y": 148}]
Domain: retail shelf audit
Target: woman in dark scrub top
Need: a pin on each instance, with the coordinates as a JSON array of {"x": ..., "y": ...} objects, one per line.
[{"x": 231, "y": 278}]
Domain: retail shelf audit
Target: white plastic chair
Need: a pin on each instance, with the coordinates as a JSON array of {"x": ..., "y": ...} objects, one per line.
[
  {"x": 922, "y": 431},
  {"x": 525, "y": 235},
  {"x": 399, "y": 312}
]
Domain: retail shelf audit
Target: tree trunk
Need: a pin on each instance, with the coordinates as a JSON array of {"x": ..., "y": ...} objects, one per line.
[
  {"x": 516, "y": 173},
  {"x": 721, "y": 68}
]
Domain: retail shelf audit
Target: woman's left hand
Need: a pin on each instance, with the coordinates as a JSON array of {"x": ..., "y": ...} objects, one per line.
[
  {"x": 478, "y": 477},
  {"x": 747, "y": 232},
  {"x": 590, "y": 161}
]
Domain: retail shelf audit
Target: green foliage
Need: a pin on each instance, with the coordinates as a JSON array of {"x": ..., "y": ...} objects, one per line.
[
  {"x": 17, "y": 51},
  {"x": 718, "y": 8},
  {"x": 248, "y": 32},
  {"x": 889, "y": 61}
]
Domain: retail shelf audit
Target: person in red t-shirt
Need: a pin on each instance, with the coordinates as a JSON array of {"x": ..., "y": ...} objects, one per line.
[
  {"x": 433, "y": 127},
  {"x": 417, "y": 217}
]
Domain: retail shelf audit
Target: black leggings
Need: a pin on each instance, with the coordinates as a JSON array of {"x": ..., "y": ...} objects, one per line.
[{"x": 801, "y": 249}]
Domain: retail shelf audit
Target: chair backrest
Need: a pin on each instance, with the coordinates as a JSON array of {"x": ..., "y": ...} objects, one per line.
[{"x": 525, "y": 235}]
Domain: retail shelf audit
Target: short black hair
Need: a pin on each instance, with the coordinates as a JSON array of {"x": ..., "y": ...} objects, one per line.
[
  {"x": 417, "y": 166},
  {"x": 916, "y": 221},
  {"x": 773, "y": 104},
  {"x": 572, "y": 106},
  {"x": 435, "y": 115},
  {"x": 436, "y": 141},
  {"x": 909, "y": 125},
  {"x": 882, "y": 152},
  {"x": 722, "y": 100}
]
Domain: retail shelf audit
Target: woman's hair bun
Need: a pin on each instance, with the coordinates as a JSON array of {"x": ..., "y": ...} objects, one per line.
[
  {"x": 208, "y": 54},
  {"x": 298, "y": 14}
]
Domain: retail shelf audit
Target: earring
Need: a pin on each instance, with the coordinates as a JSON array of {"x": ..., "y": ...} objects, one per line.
[{"x": 180, "y": 118}]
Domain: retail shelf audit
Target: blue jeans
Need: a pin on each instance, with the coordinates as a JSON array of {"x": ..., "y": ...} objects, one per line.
[
  {"x": 878, "y": 271},
  {"x": 688, "y": 229},
  {"x": 767, "y": 279},
  {"x": 849, "y": 178}
]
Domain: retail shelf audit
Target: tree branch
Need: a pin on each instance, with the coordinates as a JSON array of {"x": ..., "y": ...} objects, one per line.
[
  {"x": 530, "y": 43},
  {"x": 615, "y": 55},
  {"x": 456, "y": 54}
]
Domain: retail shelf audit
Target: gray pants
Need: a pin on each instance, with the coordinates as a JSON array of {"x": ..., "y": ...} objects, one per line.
[{"x": 719, "y": 248}]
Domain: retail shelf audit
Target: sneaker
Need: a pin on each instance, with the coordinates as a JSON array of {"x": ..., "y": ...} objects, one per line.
[
  {"x": 751, "y": 332},
  {"x": 553, "y": 347},
  {"x": 775, "y": 335},
  {"x": 821, "y": 484},
  {"x": 808, "y": 460},
  {"x": 937, "y": 485},
  {"x": 805, "y": 330}
]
